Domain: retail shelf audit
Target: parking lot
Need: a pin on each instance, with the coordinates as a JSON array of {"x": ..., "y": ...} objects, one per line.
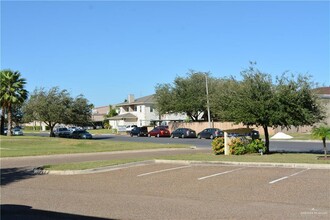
[{"x": 179, "y": 191}]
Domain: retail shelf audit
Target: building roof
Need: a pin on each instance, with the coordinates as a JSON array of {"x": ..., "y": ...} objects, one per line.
[
  {"x": 323, "y": 90},
  {"x": 123, "y": 116},
  {"x": 143, "y": 100}
]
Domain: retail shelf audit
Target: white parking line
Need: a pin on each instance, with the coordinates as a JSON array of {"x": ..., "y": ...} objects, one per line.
[
  {"x": 218, "y": 174},
  {"x": 286, "y": 177},
  {"x": 160, "y": 171}
]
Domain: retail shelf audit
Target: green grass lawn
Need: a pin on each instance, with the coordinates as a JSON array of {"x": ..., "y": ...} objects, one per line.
[{"x": 16, "y": 146}]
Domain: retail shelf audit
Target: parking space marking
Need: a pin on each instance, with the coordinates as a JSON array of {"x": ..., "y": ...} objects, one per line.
[
  {"x": 165, "y": 170},
  {"x": 286, "y": 177},
  {"x": 218, "y": 174}
]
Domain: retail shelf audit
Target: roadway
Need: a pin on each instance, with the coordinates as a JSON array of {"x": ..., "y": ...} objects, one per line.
[{"x": 275, "y": 145}]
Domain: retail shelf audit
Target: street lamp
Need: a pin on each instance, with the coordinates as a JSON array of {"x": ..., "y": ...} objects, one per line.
[{"x": 207, "y": 101}]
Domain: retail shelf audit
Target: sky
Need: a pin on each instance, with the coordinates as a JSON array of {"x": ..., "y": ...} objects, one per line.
[{"x": 106, "y": 50}]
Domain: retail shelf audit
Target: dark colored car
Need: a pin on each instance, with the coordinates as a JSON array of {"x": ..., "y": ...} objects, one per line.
[
  {"x": 81, "y": 134},
  {"x": 210, "y": 133},
  {"x": 184, "y": 133},
  {"x": 254, "y": 135},
  {"x": 159, "y": 132},
  {"x": 62, "y": 132},
  {"x": 139, "y": 131}
]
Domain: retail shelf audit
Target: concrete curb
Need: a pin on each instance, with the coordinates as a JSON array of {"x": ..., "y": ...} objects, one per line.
[
  {"x": 41, "y": 171},
  {"x": 250, "y": 164}
]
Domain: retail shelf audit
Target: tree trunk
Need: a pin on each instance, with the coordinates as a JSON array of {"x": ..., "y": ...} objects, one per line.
[
  {"x": 51, "y": 127},
  {"x": 2, "y": 125},
  {"x": 9, "y": 121},
  {"x": 266, "y": 139},
  {"x": 324, "y": 148}
]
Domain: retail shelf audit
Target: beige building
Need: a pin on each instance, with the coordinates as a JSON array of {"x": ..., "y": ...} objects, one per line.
[
  {"x": 324, "y": 94},
  {"x": 98, "y": 115}
]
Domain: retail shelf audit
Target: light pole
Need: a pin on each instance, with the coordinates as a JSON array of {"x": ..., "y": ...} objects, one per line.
[{"x": 207, "y": 101}]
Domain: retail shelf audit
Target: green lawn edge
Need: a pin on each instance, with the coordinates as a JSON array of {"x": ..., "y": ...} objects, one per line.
[{"x": 18, "y": 146}]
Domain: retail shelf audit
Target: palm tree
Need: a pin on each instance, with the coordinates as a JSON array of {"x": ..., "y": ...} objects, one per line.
[
  {"x": 12, "y": 92},
  {"x": 323, "y": 133}
]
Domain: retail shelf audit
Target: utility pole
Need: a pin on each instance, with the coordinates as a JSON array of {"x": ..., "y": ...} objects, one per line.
[{"x": 207, "y": 101}]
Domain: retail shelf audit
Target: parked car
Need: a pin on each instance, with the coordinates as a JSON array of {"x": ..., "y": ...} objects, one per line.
[
  {"x": 254, "y": 135},
  {"x": 130, "y": 127},
  {"x": 17, "y": 132},
  {"x": 159, "y": 132},
  {"x": 210, "y": 133},
  {"x": 184, "y": 133},
  {"x": 81, "y": 134},
  {"x": 139, "y": 131},
  {"x": 62, "y": 132}
]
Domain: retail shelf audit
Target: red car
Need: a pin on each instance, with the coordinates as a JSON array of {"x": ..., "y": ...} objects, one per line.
[{"x": 159, "y": 132}]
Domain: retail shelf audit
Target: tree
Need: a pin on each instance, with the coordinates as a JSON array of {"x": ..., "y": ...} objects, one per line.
[
  {"x": 187, "y": 94},
  {"x": 223, "y": 89},
  {"x": 12, "y": 93},
  {"x": 112, "y": 112},
  {"x": 56, "y": 106},
  {"x": 257, "y": 101},
  {"x": 81, "y": 111},
  {"x": 323, "y": 133}
]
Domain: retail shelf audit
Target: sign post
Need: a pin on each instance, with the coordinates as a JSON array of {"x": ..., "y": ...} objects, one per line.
[{"x": 226, "y": 143}]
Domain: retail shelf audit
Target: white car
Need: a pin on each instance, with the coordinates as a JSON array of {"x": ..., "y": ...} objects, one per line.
[
  {"x": 130, "y": 127},
  {"x": 17, "y": 132}
]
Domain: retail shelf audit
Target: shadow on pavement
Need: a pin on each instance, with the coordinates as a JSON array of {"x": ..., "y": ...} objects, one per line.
[
  {"x": 10, "y": 175},
  {"x": 11, "y": 212},
  {"x": 297, "y": 151}
]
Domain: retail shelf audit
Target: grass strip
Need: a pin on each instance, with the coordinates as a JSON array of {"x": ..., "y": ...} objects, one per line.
[{"x": 17, "y": 146}]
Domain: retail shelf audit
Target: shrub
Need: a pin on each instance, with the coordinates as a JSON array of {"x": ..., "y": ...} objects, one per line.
[
  {"x": 255, "y": 145},
  {"x": 218, "y": 145},
  {"x": 237, "y": 146}
]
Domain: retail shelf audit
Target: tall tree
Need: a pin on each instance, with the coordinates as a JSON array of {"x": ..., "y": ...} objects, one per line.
[
  {"x": 81, "y": 111},
  {"x": 12, "y": 93},
  {"x": 56, "y": 106},
  {"x": 257, "y": 101},
  {"x": 187, "y": 94}
]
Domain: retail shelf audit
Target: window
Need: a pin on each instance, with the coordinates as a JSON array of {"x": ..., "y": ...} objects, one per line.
[
  {"x": 135, "y": 108},
  {"x": 151, "y": 109}
]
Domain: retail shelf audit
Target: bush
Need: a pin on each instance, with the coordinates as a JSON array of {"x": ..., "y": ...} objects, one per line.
[
  {"x": 237, "y": 146},
  {"x": 255, "y": 145},
  {"x": 218, "y": 145}
]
